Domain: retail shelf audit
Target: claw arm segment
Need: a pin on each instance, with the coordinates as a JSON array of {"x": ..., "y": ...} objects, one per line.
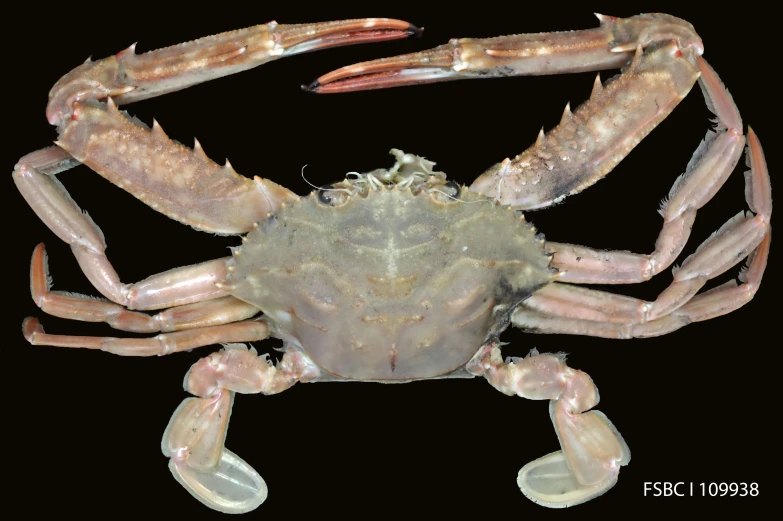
[
  {"x": 609, "y": 46},
  {"x": 592, "y": 450},
  {"x": 129, "y": 77},
  {"x": 195, "y": 436},
  {"x": 179, "y": 182},
  {"x": 524, "y": 54},
  {"x": 707, "y": 171},
  {"x": 590, "y": 141},
  {"x": 561, "y": 308}
]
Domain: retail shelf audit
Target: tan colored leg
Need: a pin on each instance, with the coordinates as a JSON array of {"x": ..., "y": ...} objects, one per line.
[
  {"x": 711, "y": 165},
  {"x": 710, "y": 304},
  {"x": 560, "y": 308},
  {"x": 180, "y": 182},
  {"x": 592, "y": 450},
  {"x": 164, "y": 344},
  {"x": 129, "y": 77},
  {"x": 72, "y": 306},
  {"x": 609, "y": 46},
  {"x": 50, "y": 161},
  {"x": 52, "y": 203},
  {"x": 195, "y": 436},
  {"x": 590, "y": 141},
  {"x": 535, "y": 322}
]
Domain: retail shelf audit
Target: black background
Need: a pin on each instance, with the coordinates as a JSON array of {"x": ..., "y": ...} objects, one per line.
[{"x": 82, "y": 428}]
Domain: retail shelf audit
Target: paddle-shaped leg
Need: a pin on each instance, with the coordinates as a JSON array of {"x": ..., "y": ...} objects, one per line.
[
  {"x": 196, "y": 433},
  {"x": 592, "y": 450}
]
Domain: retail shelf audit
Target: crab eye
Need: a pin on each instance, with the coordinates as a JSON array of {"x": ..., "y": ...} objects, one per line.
[
  {"x": 452, "y": 189},
  {"x": 447, "y": 192},
  {"x": 332, "y": 196}
]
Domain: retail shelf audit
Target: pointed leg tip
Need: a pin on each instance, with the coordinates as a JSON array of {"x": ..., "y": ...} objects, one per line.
[
  {"x": 415, "y": 31},
  {"x": 759, "y": 193},
  {"x": 718, "y": 99},
  {"x": 40, "y": 282}
]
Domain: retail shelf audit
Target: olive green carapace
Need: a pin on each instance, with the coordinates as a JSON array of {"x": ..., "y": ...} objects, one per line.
[{"x": 395, "y": 283}]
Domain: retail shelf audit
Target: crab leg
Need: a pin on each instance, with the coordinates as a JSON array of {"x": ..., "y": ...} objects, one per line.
[
  {"x": 196, "y": 433},
  {"x": 609, "y": 46},
  {"x": 51, "y": 202},
  {"x": 561, "y": 308},
  {"x": 712, "y": 163},
  {"x": 129, "y": 77},
  {"x": 163, "y": 344},
  {"x": 710, "y": 304},
  {"x": 589, "y": 142},
  {"x": 79, "y": 307},
  {"x": 180, "y": 182},
  {"x": 50, "y": 161},
  {"x": 592, "y": 449}
]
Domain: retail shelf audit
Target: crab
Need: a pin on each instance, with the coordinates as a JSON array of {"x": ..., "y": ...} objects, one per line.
[{"x": 419, "y": 303}]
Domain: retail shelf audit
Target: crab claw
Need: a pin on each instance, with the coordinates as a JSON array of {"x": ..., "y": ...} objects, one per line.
[
  {"x": 295, "y": 39},
  {"x": 610, "y": 46},
  {"x": 439, "y": 64},
  {"x": 128, "y": 77}
]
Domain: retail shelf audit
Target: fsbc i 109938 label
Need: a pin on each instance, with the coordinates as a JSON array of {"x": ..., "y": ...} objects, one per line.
[{"x": 691, "y": 489}]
